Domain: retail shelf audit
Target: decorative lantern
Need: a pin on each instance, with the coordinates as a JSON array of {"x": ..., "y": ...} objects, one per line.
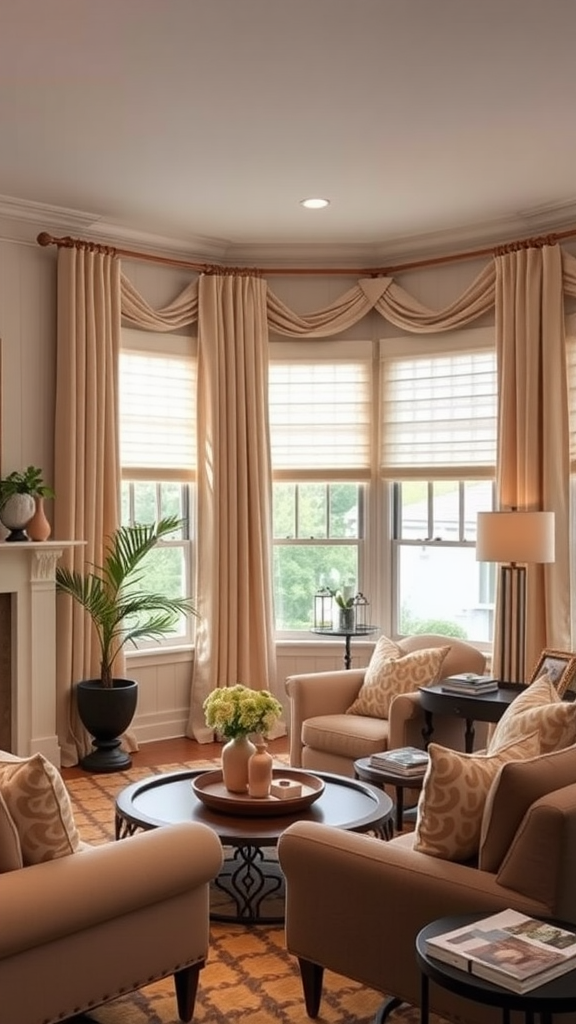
[
  {"x": 361, "y": 606},
  {"x": 323, "y": 608}
]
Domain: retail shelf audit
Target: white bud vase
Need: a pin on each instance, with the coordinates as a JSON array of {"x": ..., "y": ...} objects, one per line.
[
  {"x": 235, "y": 756},
  {"x": 260, "y": 770}
]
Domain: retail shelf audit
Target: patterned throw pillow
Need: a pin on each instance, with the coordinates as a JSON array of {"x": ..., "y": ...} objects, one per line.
[
  {"x": 10, "y": 850},
  {"x": 39, "y": 805},
  {"x": 454, "y": 793},
  {"x": 538, "y": 707},
  {"x": 390, "y": 672}
]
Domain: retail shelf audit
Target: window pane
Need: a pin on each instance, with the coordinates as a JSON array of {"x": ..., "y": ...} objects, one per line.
[
  {"x": 163, "y": 571},
  {"x": 439, "y": 592},
  {"x": 312, "y": 510},
  {"x": 284, "y": 510},
  {"x": 300, "y": 570},
  {"x": 344, "y": 512}
]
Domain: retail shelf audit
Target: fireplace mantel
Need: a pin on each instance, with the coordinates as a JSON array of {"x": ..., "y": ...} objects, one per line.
[{"x": 27, "y": 573}]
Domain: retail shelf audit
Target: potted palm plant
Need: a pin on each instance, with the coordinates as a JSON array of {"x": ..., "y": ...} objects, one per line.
[{"x": 122, "y": 611}]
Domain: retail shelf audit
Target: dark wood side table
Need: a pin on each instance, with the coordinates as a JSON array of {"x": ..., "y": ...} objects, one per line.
[
  {"x": 486, "y": 707},
  {"x": 558, "y": 996},
  {"x": 387, "y": 777},
  {"x": 347, "y": 634}
]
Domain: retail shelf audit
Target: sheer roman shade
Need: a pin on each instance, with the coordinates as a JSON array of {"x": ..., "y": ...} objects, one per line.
[
  {"x": 438, "y": 415},
  {"x": 320, "y": 409},
  {"x": 157, "y": 408}
]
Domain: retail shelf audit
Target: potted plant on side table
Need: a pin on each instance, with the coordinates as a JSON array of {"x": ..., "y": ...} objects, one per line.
[{"x": 122, "y": 611}]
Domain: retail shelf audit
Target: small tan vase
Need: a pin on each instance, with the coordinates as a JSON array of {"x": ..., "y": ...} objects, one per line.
[
  {"x": 235, "y": 756},
  {"x": 38, "y": 528},
  {"x": 260, "y": 770}
]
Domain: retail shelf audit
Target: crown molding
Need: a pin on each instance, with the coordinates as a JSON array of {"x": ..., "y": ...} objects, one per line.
[{"x": 22, "y": 220}]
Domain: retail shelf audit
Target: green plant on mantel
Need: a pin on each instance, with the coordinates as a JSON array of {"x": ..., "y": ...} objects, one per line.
[{"x": 27, "y": 482}]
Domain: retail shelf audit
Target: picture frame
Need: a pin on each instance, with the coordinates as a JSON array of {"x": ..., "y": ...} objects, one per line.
[{"x": 560, "y": 666}]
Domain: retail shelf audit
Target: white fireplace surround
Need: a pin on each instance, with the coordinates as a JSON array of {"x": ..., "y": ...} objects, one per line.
[{"x": 27, "y": 573}]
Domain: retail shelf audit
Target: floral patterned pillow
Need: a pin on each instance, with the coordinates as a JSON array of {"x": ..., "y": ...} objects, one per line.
[
  {"x": 539, "y": 707},
  {"x": 391, "y": 672},
  {"x": 454, "y": 793}
]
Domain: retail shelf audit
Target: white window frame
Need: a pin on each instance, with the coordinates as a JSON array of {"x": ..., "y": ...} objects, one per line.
[
  {"x": 157, "y": 344},
  {"x": 302, "y": 465},
  {"x": 392, "y": 469}
]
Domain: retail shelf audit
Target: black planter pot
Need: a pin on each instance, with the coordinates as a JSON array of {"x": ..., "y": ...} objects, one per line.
[{"x": 106, "y": 712}]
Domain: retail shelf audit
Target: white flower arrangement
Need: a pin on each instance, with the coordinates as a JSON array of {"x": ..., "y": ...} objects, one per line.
[{"x": 237, "y": 710}]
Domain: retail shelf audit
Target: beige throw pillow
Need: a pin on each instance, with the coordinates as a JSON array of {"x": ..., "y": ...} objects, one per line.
[
  {"x": 514, "y": 790},
  {"x": 539, "y": 707},
  {"x": 391, "y": 672},
  {"x": 453, "y": 796},
  {"x": 39, "y": 805}
]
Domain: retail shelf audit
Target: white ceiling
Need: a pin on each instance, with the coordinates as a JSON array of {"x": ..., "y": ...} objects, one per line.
[{"x": 206, "y": 121}]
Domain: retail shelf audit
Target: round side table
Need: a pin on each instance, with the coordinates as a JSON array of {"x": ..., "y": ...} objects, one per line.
[
  {"x": 558, "y": 996},
  {"x": 386, "y": 777}
]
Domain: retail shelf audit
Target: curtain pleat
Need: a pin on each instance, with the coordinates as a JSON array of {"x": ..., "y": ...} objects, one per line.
[
  {"x": 533, "y": 444},
  {"x": 86, "y": 461},
  {"x": 235, "y": 634}
]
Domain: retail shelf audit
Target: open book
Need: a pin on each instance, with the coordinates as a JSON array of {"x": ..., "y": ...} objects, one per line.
[{"x": 509, "y": 949}]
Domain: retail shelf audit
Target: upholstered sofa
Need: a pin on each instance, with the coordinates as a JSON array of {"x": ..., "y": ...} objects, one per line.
[
  {"x": 354, "y": 904},
  {"x": 323, "y": 737},
  {"x": 81, "y": 925}
]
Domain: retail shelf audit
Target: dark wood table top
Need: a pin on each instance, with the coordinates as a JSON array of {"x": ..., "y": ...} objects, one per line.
[
  {"x": 166, "y": 799},
  {"x": 485, "y": 707},
  {"x": 557, "y": 996}
]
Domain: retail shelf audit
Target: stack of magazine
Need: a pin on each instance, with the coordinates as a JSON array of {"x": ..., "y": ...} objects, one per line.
[
  {"x": 403, "y": 761},
  {"x": 509, "y": 949},
  {"x": 469, "y": 684}
]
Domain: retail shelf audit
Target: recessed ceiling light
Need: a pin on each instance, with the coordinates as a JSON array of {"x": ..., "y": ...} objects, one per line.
[{"x": 314, "y": 204}]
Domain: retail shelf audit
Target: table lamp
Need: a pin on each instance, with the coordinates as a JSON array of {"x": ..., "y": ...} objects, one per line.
[{"x": 514, "y": 539}]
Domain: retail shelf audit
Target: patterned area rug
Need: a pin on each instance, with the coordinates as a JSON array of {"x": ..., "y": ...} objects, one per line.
[{"x": 249, "y": 976}]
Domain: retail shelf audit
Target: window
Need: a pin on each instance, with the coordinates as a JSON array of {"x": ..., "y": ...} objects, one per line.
[
  {"x": 158, "y": 455},
  {"x": 438, "y": 457},
  {"x": 321, "y": 429}
]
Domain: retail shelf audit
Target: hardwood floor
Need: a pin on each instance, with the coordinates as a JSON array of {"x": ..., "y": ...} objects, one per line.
[{"x": 174, "y": 750}]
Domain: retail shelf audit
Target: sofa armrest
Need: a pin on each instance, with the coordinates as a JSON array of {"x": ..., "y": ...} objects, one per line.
[
  {"x": 48, "y": 901},
  {"x": 354, "y": 904},
  {"x": 319, "y": 693}
]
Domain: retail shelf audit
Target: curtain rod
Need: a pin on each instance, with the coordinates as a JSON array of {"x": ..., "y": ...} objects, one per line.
[{"x": 45, "y": 239}]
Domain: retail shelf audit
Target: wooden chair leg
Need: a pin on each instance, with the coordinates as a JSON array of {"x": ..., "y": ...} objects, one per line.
[
  {"x": 186, "y": 985},
  {"x": 312, "y": 976}
]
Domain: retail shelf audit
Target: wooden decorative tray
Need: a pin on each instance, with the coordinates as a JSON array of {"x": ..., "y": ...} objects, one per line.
[{"x": 209, "y": 788}]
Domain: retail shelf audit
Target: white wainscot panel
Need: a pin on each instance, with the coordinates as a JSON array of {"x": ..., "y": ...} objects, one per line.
[{"x": 164, "y": 682}]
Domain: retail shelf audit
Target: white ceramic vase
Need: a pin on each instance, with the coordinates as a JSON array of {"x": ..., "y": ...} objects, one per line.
[
  {"x": 235, "y": 756},
  {"x": 16, "y": 513}
]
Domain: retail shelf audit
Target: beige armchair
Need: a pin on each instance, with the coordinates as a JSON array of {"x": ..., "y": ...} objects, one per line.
[
  {"x": 324, "y": 738},
  {"x": 82, "y": 929},
  {"x": 354, "y": 904}
]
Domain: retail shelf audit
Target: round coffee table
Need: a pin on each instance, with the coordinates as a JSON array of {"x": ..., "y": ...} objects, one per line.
[
  {"x": 388, "y": 777},
  {"x": 248, "y": 877}
]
